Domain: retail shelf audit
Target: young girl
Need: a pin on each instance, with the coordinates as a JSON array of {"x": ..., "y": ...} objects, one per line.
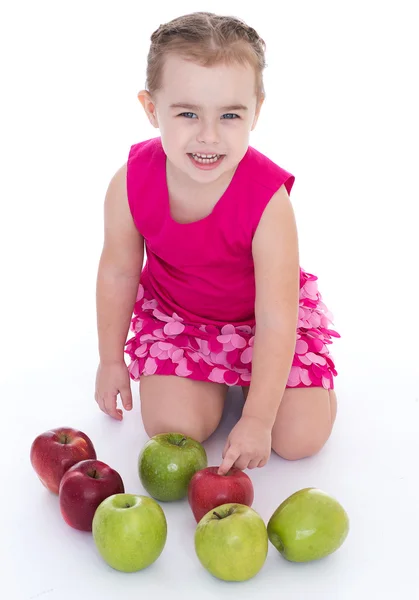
[{"x": 221, "y": 300}]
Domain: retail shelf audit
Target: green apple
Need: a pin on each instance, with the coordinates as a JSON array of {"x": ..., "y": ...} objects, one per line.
[
  {"x": 231, "y": 542},
  {"x": 308, "y": 525},
  {"x": 167, "y": 463},
  {"x": 129, "y": 531}
]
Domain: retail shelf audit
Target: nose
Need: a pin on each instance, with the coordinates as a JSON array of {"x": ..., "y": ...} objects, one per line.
[{"x": 208, "y": 133}]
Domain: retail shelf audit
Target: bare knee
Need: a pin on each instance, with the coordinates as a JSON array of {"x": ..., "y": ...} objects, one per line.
[
  {"x": 194, "y": 430},
  {"x": 295, "y": 449},
  {"x": 333, "y": 405},
  {"x": 303, "y": 433},
  {"x": 172, "y": 404}
]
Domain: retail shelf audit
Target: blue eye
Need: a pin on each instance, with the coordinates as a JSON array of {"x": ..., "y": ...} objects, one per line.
[{"x": 231, "y": 116}]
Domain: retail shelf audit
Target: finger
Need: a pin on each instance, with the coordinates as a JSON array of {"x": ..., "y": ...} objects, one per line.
[
  {"x": 226, "y": 447},
  {"x": 110, "y": 407},
  {"x": 229, "y": 460},
  {"x": 262, "y": 462},
  {"x": 100, "y": 402},
  {"x": 253, "y": 463},
  {"x": 126, "y": 398},
  {"x": 243, "y": 462}
]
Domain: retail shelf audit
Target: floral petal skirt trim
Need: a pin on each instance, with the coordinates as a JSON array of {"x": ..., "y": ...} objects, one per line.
[{"x": 166, "y": 345}]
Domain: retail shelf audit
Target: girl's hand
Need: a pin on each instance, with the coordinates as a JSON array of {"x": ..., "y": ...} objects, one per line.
[
  {"x": 113, "y": 379},
  {"x": 248, "y": 445}
]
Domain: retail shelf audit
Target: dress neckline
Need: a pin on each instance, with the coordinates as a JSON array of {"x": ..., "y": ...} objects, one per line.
[{"x": 222, "y": 200}]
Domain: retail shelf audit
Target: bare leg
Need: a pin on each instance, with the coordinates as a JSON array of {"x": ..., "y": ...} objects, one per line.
[
  {"x": 304, "y": 421},
  {"x": 178, "y": 404}
]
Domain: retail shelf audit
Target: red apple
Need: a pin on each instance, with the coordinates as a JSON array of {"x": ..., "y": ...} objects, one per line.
[
  {"x": 207, "y": 490},
  {"x": 83, "y": 487},
  {"x": 55, "y": 451}
]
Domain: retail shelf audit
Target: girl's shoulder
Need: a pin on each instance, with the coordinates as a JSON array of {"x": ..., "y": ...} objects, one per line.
[
  {"x": 146, "y": 150},
  {"x": 260, "y": 179},
  {"x": 262, "y": 171}
]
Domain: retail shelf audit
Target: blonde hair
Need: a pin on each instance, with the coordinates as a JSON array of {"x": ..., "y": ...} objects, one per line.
[{"x": 206, "y": 39}]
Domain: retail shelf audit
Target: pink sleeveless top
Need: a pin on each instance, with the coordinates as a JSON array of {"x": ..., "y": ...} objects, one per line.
[{"x": 203, "y": 271}]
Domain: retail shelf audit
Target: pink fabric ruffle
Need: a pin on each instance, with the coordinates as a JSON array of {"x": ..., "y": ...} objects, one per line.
[{"x": 166, "y": 345}]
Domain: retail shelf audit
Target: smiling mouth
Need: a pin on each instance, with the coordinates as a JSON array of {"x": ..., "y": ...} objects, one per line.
[{"x": 208, "y": 159}]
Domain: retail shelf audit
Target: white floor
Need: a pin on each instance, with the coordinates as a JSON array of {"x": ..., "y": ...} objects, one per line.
[
  {"x": 369, "y": 464},
  {"x": 345, "y": 115}
]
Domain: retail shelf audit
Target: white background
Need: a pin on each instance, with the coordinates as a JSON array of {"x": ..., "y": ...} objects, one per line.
[{"x": 341, "y": 115}]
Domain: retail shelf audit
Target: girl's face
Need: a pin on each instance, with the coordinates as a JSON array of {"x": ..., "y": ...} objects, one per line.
[{"x": 206, "y": 110}]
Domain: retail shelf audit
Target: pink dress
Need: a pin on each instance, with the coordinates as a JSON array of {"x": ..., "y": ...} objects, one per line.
[{"x": 194, "y": 313}]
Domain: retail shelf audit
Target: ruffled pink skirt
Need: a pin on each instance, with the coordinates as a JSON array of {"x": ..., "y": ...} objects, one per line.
[{"x": 166, "y": 345}]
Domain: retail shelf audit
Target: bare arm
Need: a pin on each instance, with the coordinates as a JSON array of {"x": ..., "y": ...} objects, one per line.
[
  {"x": 276, "y": 261},
  {"x": 119, "y": 271},
  {"x": 116, "y": 290},
  {"x": 277, "y": 275}
]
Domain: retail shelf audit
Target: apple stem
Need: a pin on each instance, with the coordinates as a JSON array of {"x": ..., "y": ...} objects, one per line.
[
  {"x": 229, "y": 512},
  {"x": 182, "y": 440}
]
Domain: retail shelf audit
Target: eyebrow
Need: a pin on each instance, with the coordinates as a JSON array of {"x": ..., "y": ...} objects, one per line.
[{"x": 197, "y": 107}]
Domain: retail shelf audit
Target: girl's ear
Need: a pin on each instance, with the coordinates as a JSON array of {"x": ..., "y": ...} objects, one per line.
[{"x": 149, "y": 106}]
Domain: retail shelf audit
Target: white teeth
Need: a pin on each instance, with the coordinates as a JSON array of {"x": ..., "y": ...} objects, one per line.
[
  {"x": 206, "y": 155},
  {"x": 206, "y": 158}
]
